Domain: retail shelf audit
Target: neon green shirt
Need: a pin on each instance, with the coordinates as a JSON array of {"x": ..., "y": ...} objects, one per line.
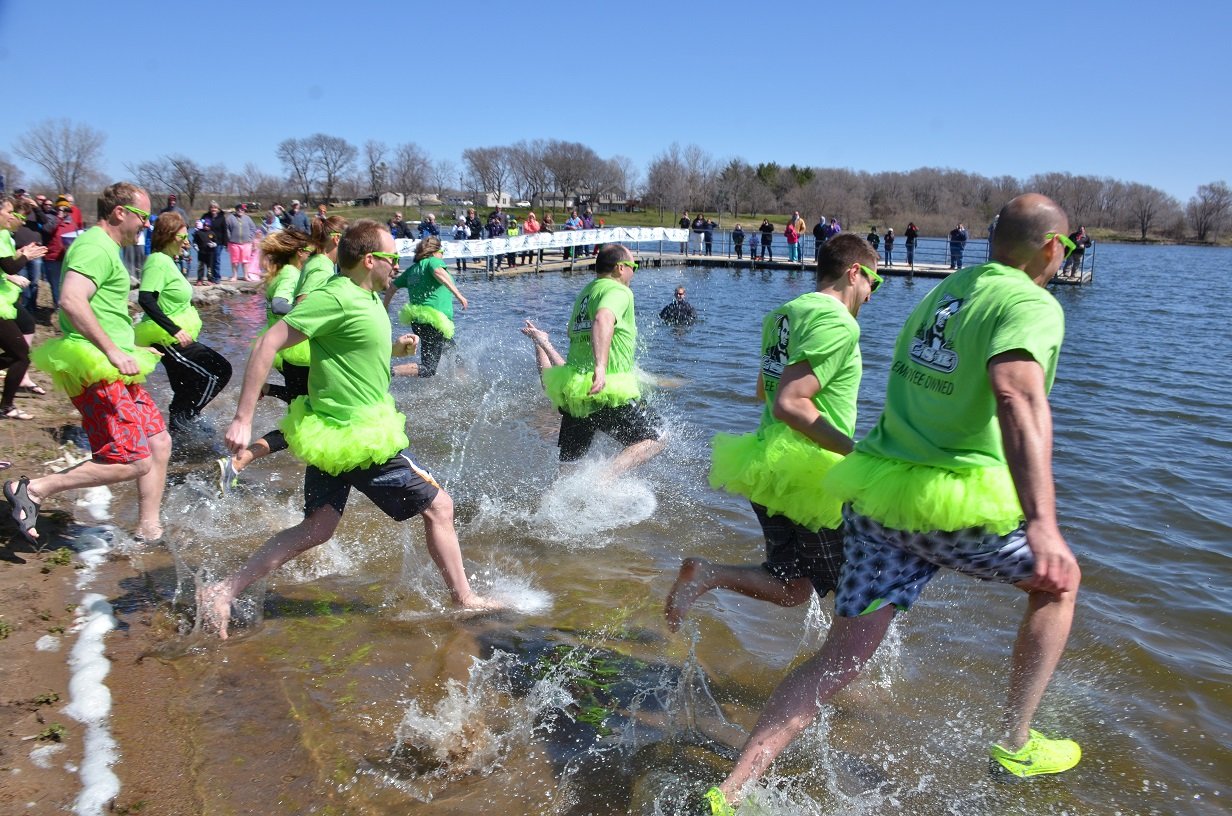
[
  {"x": 318, "y": 271},
  {"x": 96, "y": 256},
  {"x": 603, "y": 293},
  {"x": 422, "y": 287},
  {"x": 349, "y": 332},
  {"x": 940, "y": 409},
  {"x": 161, "y": 275},
  {"x": 9, "y": 291},
  {"x": 282, "y": 286},
  {"x": 818, "y": 329}
]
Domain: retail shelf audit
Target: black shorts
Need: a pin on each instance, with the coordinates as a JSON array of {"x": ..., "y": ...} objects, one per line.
[
  {"x": 793, "y": 551},
  {"x": 628, "y": 424},
  {"x": 399, "y": 487}
]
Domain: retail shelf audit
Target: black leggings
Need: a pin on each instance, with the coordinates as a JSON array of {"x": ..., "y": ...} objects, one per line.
[
  {"x": 296, "y": 379},
  {"x": 14, "y": 358},
  {"x": 197, "y": 373},
  {"x": 431, "y": 346}
]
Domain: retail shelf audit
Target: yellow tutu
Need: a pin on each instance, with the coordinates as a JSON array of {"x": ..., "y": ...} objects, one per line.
[
  {"x": 371, "y": 435},
  {"x": 426, "y": 315},
  {"x": 147, "y": 332},
  {"x": 569, "y": 390},
  {"x": 73, "y": 364}
]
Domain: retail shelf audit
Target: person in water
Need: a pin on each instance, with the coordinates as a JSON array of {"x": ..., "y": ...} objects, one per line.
[
  {"x": 346, "y": 429},
  {"x": 429, "y": 310},
  {"x": 808, "y": 381},
  {"x": 956, "y": 473},
  {"x": 596, "y": 387}
]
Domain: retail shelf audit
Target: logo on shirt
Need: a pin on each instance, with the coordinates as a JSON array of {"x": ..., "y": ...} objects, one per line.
[
  {"x": 930, "y": 348},
  {"x": 774, "y": 360},
  {"x": 581, "y": 319}
]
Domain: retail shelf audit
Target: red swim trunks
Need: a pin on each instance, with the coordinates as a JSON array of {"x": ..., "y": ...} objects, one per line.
[{"x": 119, "y": 420}]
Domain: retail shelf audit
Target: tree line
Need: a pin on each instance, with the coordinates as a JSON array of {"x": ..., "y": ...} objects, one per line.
[{"x": 321, "y": 167}]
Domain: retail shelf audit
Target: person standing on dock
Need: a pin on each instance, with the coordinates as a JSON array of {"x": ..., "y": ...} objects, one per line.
[
  {"x": 684, "y": 223},
  {"x": 912, "y": 234},
  {"x": 738, "y": 241},
  {"x": 767, "y": 237},
  {"x": 808, "y": 380},
  {"x": 1073, "y": 264},
  {"x": 793, "y": 241},
  {"x": 596, "y": 388},
  {"x": 98, "y": 365},
  {"x": 958, "y": 243},
  {"x": 346, "y": 430},
  {"x": 889, "y": 246},
  {"x": 956, "y": 473}
]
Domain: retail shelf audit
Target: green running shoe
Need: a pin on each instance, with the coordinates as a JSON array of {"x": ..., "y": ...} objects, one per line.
[
  {"x": 718, "y": 803},
  {"x": 228, "y": 478},
  {"x": 1039, "y": 756}
]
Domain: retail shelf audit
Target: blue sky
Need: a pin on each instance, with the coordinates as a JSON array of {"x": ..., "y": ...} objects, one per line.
[{"x": 1130, "y": 90}]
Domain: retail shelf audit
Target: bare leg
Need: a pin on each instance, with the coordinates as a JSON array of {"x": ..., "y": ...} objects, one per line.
[
  {"x": 25, "y": 380},
  {"x": 798, "y": 699},
  {"x": 1041, "y": 640},
  {"x": 86, "y": 474},
  {"x": 698, "y": 576},
  {"x": 446, "y": 553},
  {"x": 252, "y": 453},
  {"x": 150, "y": 487},
  {"x": 214, "y": 600},
  {"x": 636, "y": 454}
]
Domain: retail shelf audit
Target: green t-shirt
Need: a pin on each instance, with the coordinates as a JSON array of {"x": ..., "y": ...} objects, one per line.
[
  {"x": 282, "y": 286},
  {"x": 97, "y": 257},
  {"x": 610, "y": 294},
  {"x": 318, "y": 271},
  {"x": 422, "y": 287},
  {"x": 940, "y": 409},
  {"x": 9, "y": 291},
  {"x": 818, "y": 329},
  {"x": 349, "y": 333},
  {"x": 161, "y": 275}
]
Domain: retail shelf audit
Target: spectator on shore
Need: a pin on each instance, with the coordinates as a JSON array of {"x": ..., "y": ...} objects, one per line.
[
  {"x": 801, "y": 230},
  {"x": 19, "y": 246},
  {"x": 473, "y": 225},
  {"x": 207, "y": 248},
  {"x": 529, "y": 227},
  {"x": 588, "y": 223},
  {"x": 322, "y": 211},
  {"x": 571, "y": 224},
  {"x": 889, "y": 246},
  {"x": 76, "y": 211},
  {"x": 548, "y": 225},
  {"x": 913, "y": 233},
  {"x": 513, "y": 230},
  {"x": 216, "y": 222},
  {"x": 428, "y": 227},
  {"x": 698, "y": 232},
  {"x": 39, "y": 228},
  {"x": 873, "y": 238},
  {"x": 958, "y": 243},
  {"x": 460, "y": 233},
  {"x": 298, "y": 219},
  {"x": 833, "y": 228},
  {"x": 793, "y": 241},
  {"x": 241, "y": 232},
  {"x": 738, "y": 240},
  {"x": 679, "y": 312},
  {"x": 397, "y": 227},
  {"x": 56, "y": 248},
  {"x": 767, "y": 237},
  {"x": 495, "y": 229}
]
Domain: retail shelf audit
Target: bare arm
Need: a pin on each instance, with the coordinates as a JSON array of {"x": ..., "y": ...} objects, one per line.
[
  {"x": 75, "y": 293},
  {"x": 793, "y": 406},
  {"x": 446, "y": 279},
  {"x": 1026, "y": 432},
  {"x": 277, "y": 337},
  {"x": 761, "y": 387},
  {"x": 601, "y": 342}
]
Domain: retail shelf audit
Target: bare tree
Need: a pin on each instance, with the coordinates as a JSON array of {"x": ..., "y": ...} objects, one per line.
[
  {"x": 531, "y": 173},
  {"x": 1208, "y": 209},
  {"x": 625, "y": 176},
  {"x": 334, "y": 158},
  {"x": 409, "y": 170},
  {"x": 155, "y": 175},
  {"x": 299, "y": 161},
  {"x": 444, "y": 173},
  {"x": 666, "y": 181},
  {"x": 489, "y": 167},
  {"x": 9, "y": 172},
  {"x": 378, "y": 170},
  {"x": 568, "y": 164},
  {"x": 1147, "y": 206},
  {"x": 69, "y": 153}
]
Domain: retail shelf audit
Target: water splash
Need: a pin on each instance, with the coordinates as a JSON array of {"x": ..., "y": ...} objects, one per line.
[{"x": 581, "y": 505}]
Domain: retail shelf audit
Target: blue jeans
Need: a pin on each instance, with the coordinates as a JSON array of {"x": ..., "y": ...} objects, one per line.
[
  {"x": 33, "y": 271},
  {"x": 216, "y": 266},
  {"x": 793, "y": 252}
]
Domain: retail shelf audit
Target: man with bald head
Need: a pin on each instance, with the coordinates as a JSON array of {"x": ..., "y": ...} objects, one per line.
[{"x": 956, "y": 473}]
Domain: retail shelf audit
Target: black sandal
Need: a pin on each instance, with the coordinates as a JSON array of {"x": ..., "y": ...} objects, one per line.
[
  {"x": 33, "y": 389},
  {"x": 25, "y": 509},
  {"x": 13, "y": 412}
]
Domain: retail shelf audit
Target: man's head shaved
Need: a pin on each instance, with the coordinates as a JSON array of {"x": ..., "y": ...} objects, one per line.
[{"x": 1022, "y": 225}]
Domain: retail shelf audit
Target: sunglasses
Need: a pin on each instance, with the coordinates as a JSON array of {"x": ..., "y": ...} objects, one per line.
[
  {"x": 140, "y": 213},
  {"x": 873, "y": 278},
  {"x": 631, "y": 264},
  {"x": 1070, "y": 246},
  {"x": 183, "y": 236},
  {"x": 391, "y": 257}
]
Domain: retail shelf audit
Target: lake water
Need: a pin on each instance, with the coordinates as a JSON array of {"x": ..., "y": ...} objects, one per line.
[{"x": 355, "y": 690}]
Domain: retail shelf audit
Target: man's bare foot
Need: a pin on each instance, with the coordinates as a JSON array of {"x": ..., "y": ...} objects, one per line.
[
  {"x": 480, "y": 603},
  {"x": 149, "y": 533},
  {"x": 214, "y": 608},
  {"x": 691, "y": 584}
]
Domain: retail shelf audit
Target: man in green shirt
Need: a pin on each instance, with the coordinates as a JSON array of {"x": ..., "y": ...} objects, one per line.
[
  {"x": 97, "y": 363},
  {"x": 595, "y": 388},
  {"x": 808, "y": 380},
  {"x": 957, "y": 473},
  {"x": 346, "y": 429}
]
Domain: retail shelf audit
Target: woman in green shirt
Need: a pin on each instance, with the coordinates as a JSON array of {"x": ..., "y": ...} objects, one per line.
[
  {"x": 429, "y": 309},
  {"x": 15, "y": 324},
  {"x": 171, "y": 325}
]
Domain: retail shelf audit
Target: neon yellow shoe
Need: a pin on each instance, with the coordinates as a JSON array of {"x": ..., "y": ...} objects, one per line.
[
  {"x": 718, "y": 803},
  {"x": 1039, "y": 756}
]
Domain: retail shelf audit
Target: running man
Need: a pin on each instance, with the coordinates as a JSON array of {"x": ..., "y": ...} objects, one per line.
[
  {"x": 957, "y": 473},
  {"x": 596, "y": 388},
  {"x": 808, "y": 381},
  {"x": 347, "y": 428},
  {"x": 97, "y": 363}
]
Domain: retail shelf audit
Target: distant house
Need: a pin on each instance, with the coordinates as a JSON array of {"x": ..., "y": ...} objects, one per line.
[{"x": 492, "y": 200}]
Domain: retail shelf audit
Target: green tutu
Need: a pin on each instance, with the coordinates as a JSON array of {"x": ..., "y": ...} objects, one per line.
[
  {"x": 569, "y": 390},
  {"x": 371, "y": 435},
  {"x": 919, "y": 498},
  {"x": 299, "y": 354},
  {"x": 780, "y": 469},
  {"x": 73, "y": 364},
  {"x": 427, "y": 316},
  {"x": 147, "y": 332}
]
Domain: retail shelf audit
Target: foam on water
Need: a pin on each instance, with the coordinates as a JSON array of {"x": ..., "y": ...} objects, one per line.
[
  {"x": 90, "y": 704},
  {"x": 42, "y": 756}
]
